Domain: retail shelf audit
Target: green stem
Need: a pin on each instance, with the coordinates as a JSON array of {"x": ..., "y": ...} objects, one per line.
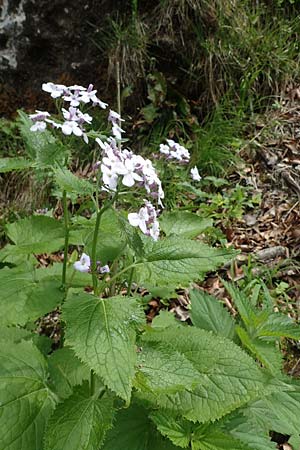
[
  {"x": 92, "y": 383},
  {"x": 67, "y": 232},
  {"x": 132, "y": 266},
  {"x": 94, "y": 249},
  {"x": 94, "y": 243},
  {"x": 130, "y": 281}
]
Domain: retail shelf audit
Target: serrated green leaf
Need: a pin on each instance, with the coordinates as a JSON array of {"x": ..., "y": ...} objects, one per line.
[
  {"x": 14, "y": 334},
  {"x": 178, "y": 261},
  {"x": 265, "y": 352},
  {"x": 178, "y": 431},
  {"x": 252, "y": 435},
  {"x": 246, "y": 310},
  {"x": 218, "y": 440},
  {"x": 69, "y": 182},
  {"x": 10, "y": 164},
  {"x": 208, "y": 313},
  {"x": 25, "y": 400},
  {"x": 79, "y": 423},
  {"x": 43, "y": 298},
  {"x": 164, "y": 319},
  {"x": 162, "y": 369},
  {"x": 200, "y": 437},
  {"x": 134, "y": 430},
  {"x": 36, "y": 234},
  {"x": 15, "y": 286},
  {"x": 279, "y": 325},
  {"x": 229, "y": 377},
  {"x": 101, "y": 332},
  {"x": 66, "y": 371},
  {"x": 183, "y": 223},
  {"x": 279, "y": 411}
]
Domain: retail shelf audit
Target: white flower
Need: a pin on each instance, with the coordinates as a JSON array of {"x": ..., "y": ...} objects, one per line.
[
  {"x": 116, "y": 131},
  {"x": 84, "y": 264},
  {"x": 127, "y": 170},
  {"x": 114, "y": 117},
  {"x": 175, "y": 151},
  {"x": 70, "y": 127},
  {"x": 39, "y": 115},
  {"x": 139, "y": 219},
  {"x": 90, "y": 95},
  {"x": 56, "y": 90},
  {"x": 165, "y": 149},
  {"x": 38, "y": 126},
  {"x": 195, "y": 174},
  {"x": 146, "y": 220}
]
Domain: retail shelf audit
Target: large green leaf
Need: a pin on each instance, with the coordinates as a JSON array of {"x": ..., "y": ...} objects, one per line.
[
  {"x": 15, "y": 284},
  {"x": 101, "y": 332},
  {"x": 279, "y": 411},
  {"x": 80, "y": 422},
  {"x": 10, "y": 164},
  {"x": 111, "y": 237},
  {"x": 255, "y": 436},
  {"x": 183, "y": 223},
  {"x": 208, "y": 313},
  {"x": 25, "y": 400},
  {"x": 66, "y": 371},
  {"x": 178, "y": 261},
  {"x": 163, "y": 369},
  {"x": 134, "y": 430},
  {"x": 229, "y": 433},
  {"x": 27, "y": 294},
  {"x": 36, "y": 234},
  {"x": 200, "y": 437},
  {"x": 69, "y": 182},
  {"x": 229, "y": 377}
]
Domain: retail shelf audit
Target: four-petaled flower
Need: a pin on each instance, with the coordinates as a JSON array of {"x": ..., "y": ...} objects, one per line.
[
  {"x": 195, "y": 174},
  {"x": 84, "y": 264}
]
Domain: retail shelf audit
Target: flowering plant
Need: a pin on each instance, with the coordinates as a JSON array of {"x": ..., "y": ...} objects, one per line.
[{"x": 110, "y": 379}]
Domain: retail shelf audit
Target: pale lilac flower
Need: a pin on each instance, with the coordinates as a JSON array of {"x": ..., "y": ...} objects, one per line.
[
  {"x": 104, "y": 269},
  {"x": 116, "y": 131},
  {"x": 38, "y": 126},
  {"x": 139, "y": 219},
  {"x": 70, "y": 127},
  {"x": 73, "y": 98},
  {"x": 114, "y": 117},
  {"x": 195, "y": 174},
  {"x": 89, "y": 95},
  {"x": 175, "y": 151},
  {"x": 76, "y": 87},
  {"x": 127, "y": 169},
  {"x": 165, "y": 149},
  {"x": 146, "y": 220},
  {"x": 84, "y": 264},
  {"x": 39, "y": 115},
  {"x": 56, "y": 90}
]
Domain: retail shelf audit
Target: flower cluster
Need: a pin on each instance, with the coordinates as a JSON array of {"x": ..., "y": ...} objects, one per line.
[
  {"x": 173, "y": 150},
  {"x": 146, "y": 220},
  {"x": 74, "y": 119},
  {"x": 117, "y": 163}
]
